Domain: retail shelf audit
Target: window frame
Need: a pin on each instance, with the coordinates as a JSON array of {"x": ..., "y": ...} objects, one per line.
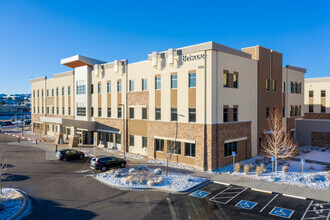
[{"x": 192, "y": 80}]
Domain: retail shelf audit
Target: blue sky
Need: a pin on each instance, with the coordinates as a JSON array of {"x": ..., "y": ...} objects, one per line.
[{"x": 36, "y": 35}]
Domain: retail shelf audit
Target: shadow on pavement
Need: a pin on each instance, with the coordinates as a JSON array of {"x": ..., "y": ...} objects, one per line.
[{"x": 14, "y": 177}]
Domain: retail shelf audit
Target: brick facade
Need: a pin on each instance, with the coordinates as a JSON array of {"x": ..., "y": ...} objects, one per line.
[
  {"x": 317, "y": 116},
  {"x": 321, "y": 139}
]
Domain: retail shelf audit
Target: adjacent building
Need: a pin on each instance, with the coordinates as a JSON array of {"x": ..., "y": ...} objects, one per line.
[{"x": 198, "y": 103}]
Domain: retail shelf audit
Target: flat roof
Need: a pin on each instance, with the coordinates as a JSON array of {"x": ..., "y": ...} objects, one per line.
[
  {"x": 79, "y": 60},
  {"x": 299, "y": 69},
  {"x": 319, "y": 79}
]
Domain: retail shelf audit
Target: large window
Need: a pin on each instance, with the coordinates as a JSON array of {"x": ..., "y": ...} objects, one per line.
[
  {"x": 131, "y": 140},
  {"x": 174, "y": 81},
  {"x": 118, "y": 86},
  {"x": 119, "y": 113},
  {"x": 192, "y": 115},
  {"x": 192, "y": 80},
  {"x": 99, "y": 112},
  {"x": 158, "y": 114},
  {"x": 225, "y": 79},
  {"x": 131, "y": 85},
  {"x": 310, "y": 94},
  {"x": 230, "y": 148},
  {"x": 99, "y": 88},
  {"x": 118, "y": 138},
  {"x": 190, "y": 150},
  {"x": 174, "y": 147},
  {"x": 144, "y": 113},
  {"x": 144, "y": 142},
  {"x": 108, "y": 87},
  {"x": 159, "y": 145},
  {"x": 174, "y": 114},
  {"x": 225, "y": 115},
  {"x": 322, "y": 93},
  {"x": 81, "y": 111},
  {"x": 109, "y": 112},
  {"x": 81, "y": 89},
  {"x": 131, "y": 113},
  {"x": 235, "y": 80},
  {"x": 235, "y": 114},
  {"x": 144, "y": 84},
  {"x": 56, "y": 92},
  {"x": 322, "y": 108},
  {"x": 157, "y": 82}
]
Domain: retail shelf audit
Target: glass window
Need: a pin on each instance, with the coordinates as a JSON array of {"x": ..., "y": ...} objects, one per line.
[
  {"x": 157, "y": 83},
  {"x": 174, "y": 147},
  {"x": 81, "y": 89},
  {"x": 34, "y": 93},
  {"x": 69, "y": 90},
  {"x": 144, "y": 142},
  {"x": 131, "y": 85},
  {"x": 119, "y": 111},
  {"x": 109, "y": 112},
  {"x": 69, "y": 111},
  {"x": 174, "y": 114},
  {"x": 299, "y": 88},
  {"x": 283, "y": 87},
  {"x": 291, "y": 111},
  {"x": 174, "y": 81},
  {"x": 144, "y": 84},
  {"x": 92, "y": 88},
  {"x": 56, "y": 92},
  {"x": 159, "y": 145},
  {"x": 230, "y": 148},
  {"x": 118, "y": 86},
  {"x": 81, "y": 111},
  {"x": 57, "y": 110},
  {"x": 62, "y": 90},
  {"x": 192, "y": 80},
  {"x": 131, "y": 113},
  {"x": 322, "y": 108},
  {"x": 190, "y": 149},
  {"x": 235, "y": 114},
  {"x": 225, "y": 79},
  {"x": 192, "y": 115},
  {"x": 118, "y": 138},
  {"x": 158, "y": 114},
  {"x": 38, "y": 93},
  {"x": 47, "y": 92},
  {"x": 295, "y": 88},
  {"x": 235, "y": 80},
  {"x": 47, "y": 110},
  {"x": 291, "y": 87},
  {"x": 311, "y": 94},
  {"x": 295, "y": 111},
  {"x": 63, "y": 111},
  {"x": 274, "y": 85},
  {"x": 92, "y": 112},
  {"x": 42, "y": 93},
  {"x": 225, "y": 115},
  {"x": 99, "y": 112},
  {"x": 283, "y": 112},
  {"x": 144, "y": 113},
  {"x": 322, "y": 93},
  {"x": 99, "y": 88},
  {"x": 131, "y": 140},
  {"x": 267, "y": 84},
  {"x": 108, "y": 87},
  {"x": 53, "y": 92},
  {"x": 52, "y": 110}
]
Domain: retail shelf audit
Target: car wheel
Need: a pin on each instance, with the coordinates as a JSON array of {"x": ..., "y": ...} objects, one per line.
[
  {"x": 103, "y": 169},
  {"x": 81, "y": 157},
  {"x": 122, "y": 165},
  {"x": 64, "y": 159}
]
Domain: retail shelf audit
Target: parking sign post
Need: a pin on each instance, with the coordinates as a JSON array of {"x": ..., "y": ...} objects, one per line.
[
  {"x": 95, "y": 145},
  {"x": 273, "y": 159},
  {"x": 234, "y": 154},
  {"x": 302, "y": 167}
]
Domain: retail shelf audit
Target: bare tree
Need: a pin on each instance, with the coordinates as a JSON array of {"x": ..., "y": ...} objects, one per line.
[
  {"x": 3, "y": 170},
  {"x": 277, "y": 142}
]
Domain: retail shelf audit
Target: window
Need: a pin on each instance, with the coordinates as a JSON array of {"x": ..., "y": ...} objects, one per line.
[
  {"x": 63, "y": 111},
  {"x": 283, "y": 87},
  {"x": 118, "y": 86},
  {"x": 34, "y": 93},
  {"x": 131, "y": 140},
  {"x": 158, "y": 114},
  {"x": 144, "y": 113},
  {"x": 99, "y": 112},
  {"x": 190, "y": 149},
  {"x": 38, "y": 110},
  {"x": 267, "y": 112},
  {"x": 322, "y": 108},
  {"x": 131, "y": 85},
  {"x": 174, "y": 147},
  {"x": 92, "y": 112},
  {"x": 292, "y": 87},
  {"x": 92, "y": 88},
  {"x": 192, "y": 80},
  {"x": 274, "y": 85},
  {"x": 37, "y": 93},
  {"x": 81, "y": 89},
  {"x": 283, "y": 112},
  {"x": 235, "y": 80},
  {"x": 225, "y": 115},
  {"x": 295, "y": 111},
  {"x": 299, "y": 88},
  {"x": 157, "y": 83},
  {"x": 57, "y": 110},
  {"x": 47, "y": 110},
  {"x": 108, "y": 87},
  {"x": 118, "y": 138},
  {"x": 311, "y": 94},
  {"x": 52, "y": 92},
  {"x": 235, "y": 114},
  {"x": 69, "y": 111},
  {"x": 69, "y": 90},
  {"x": 131, "y": 113},
  {"x": 34, "y": 109},
  {"x": 225, "y": 79},
  {"x": 267, "y": 84},
  {"x": 42, "y": 93},
  {"x": 299, "y": 110},
  {"x": 62, "y": 91},
  {"x": 291, "y": 111},
  {"x": 144, "y": 142},
  {"x": 81, "y": 111},
  {"x": 56, "y": 91},
  {"x": 109, "y": 112},
  {"x": 99, "y": 87},
  {"x": 322, "y": 93},
  {"x": 119, "y": 111},
  {"x": 52, "y": 110},
  {"x": 47, "y": 92},
  {"x": 144, "y": 84},
  {"x": 174, "y": 114},
  {"x": 230, "y": 148},
  {"x": 174, "y": 81},
  {"x": 192, "y": 115},
  {"x": 295, "y": 88},
  {"x": 159, "y": 145}
]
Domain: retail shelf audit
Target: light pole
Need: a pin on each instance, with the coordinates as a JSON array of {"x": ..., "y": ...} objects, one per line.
[{"x": 123, "y": 133}]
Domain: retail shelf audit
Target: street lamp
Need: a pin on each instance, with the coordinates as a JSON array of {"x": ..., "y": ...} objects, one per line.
[{"x": 122, "y": 114}]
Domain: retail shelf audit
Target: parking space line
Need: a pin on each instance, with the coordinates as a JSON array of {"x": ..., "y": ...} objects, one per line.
[
  {"x": 224, "y": 192},
  {"x": 226, "y": 184},
  {"x": 322, "y": 209},
  {"x": 268, "y": 202},
  {"x": 221, "y": 192},
  {"x": 261, "y": 190},
  {"x": 292, "y": 196},
  {"x": 316, "y": 217},
  {"x": 307, "y": 210}
]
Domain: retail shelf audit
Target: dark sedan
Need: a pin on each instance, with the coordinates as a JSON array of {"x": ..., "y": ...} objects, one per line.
[
  {"x": 104, "y": 163},
  {"x": 69, "y": 154}
]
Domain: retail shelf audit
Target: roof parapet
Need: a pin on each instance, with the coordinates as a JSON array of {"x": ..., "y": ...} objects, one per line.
[
  {"x": 299, "y": 69},
  {"x": 79, "y": 60}
]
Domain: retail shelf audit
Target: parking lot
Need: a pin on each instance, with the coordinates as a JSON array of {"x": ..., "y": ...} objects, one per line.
[{"x": 217, "y": 201}]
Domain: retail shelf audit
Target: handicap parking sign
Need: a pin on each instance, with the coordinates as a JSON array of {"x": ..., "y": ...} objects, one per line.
[
  {"x": 302, "y": 161},
  {"x": 199, "y": 194},
  {"x": 278, "y": 211},
  {"x": 246, "y": 204}
]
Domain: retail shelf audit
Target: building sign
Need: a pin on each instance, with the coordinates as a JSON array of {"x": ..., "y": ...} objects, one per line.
[{"x": 190, "y": 57}]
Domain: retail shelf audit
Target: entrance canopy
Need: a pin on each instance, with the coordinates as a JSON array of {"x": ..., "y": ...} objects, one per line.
[{"x": 88, "y": 125}]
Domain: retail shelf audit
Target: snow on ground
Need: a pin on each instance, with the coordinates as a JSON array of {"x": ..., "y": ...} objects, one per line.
[
  {"x": 315, "y": 153},
  {"x": 173, "y": 164},
  {"x": 133, "y": 156},
  {"x": 314, "y": 175},
  {"x": 173, "y": 181},
  {"x": 13, "y": 201}
]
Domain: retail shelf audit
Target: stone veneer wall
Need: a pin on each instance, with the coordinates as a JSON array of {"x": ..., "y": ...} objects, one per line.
[
  {"x": 317, "y": 116},
  {"x": 321, "y": 139}
]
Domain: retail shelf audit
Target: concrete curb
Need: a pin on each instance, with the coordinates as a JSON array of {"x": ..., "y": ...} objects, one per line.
[{"x": 25, "y": 207}]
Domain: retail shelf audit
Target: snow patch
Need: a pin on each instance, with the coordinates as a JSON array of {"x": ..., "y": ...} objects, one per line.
[{"x": 13, "y": 201}]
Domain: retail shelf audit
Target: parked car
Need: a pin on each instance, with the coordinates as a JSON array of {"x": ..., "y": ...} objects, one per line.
[
  {"x": 104, "y": 163},
  {"x": 6, "y": 123},
  {"x": 69, "y": 154},
  {"x": 27, "y": 121}
]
